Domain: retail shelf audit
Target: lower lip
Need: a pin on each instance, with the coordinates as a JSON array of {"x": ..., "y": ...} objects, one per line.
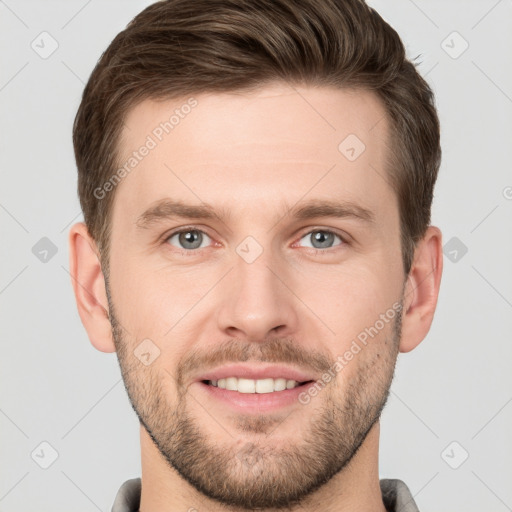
[{"x": 255, "y": 402}]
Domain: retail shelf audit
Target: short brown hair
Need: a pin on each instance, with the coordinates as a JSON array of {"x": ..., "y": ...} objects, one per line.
[{"x": 175, "y": 48}]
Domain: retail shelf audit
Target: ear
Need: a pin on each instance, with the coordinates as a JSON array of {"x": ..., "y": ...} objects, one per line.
[
  {"x": 422, "y": 289},
  {"x": 89, "y": 287}
]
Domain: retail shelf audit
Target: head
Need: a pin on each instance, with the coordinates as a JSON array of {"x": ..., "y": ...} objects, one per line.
[{"x": 256, "y": 180}]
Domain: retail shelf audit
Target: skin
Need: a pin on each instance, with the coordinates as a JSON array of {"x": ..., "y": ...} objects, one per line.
[{"x": 257, "y": 155}]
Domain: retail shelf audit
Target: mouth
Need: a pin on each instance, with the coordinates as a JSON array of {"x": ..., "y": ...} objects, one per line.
[
  {"x": 251, "y": 386},
  {"x": 251, "y": 389}
]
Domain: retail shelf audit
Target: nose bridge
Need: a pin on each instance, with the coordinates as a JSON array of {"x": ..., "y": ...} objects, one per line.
[
  {"x": 253, "y": 272},
  {"x": 256, "y": 301}
]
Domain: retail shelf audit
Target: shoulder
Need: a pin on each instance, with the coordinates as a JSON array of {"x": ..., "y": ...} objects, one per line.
[
  {"x": 128, "y": 496},
  {"x": 396, "y": 496}
]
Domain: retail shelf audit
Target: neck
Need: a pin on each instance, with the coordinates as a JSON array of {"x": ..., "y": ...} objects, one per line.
[{"x": 355, "y": 488}]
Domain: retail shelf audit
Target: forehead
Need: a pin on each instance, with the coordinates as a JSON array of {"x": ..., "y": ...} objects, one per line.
[
  {"x": 280, "y": 141},
  {"x": 278, "y": 112}
]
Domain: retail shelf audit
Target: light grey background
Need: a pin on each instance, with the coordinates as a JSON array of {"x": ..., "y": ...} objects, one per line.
[{"x": 56, "y": 388}]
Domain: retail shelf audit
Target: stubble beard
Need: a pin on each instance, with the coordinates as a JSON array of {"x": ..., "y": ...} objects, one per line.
[{"x": 258, "y": 475}]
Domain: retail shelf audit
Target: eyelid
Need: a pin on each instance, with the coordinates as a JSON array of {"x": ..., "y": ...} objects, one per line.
[
  {"x": 165, "y": 237},
  {"x": 345, "y": 238}
]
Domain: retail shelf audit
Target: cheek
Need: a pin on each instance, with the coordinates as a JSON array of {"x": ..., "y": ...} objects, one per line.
[
  {"x": 360, "y": 306},
  {"x": 155, "y": 303},
  {"x": 350, "y": 298}
]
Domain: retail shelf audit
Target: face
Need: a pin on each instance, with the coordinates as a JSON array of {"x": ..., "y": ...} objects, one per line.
[{"x": 255, "y": 283}]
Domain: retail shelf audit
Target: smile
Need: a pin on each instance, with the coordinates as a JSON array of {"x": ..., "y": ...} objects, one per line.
[{"x": 254, "y": 386}]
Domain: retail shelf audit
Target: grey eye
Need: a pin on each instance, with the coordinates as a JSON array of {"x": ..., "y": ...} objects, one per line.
[
  {"x": 321, "y": 238},
  {"x": 189, "y": 239}
]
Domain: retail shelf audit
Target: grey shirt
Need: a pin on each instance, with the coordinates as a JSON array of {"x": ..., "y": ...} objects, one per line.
[{"x": 395, "y": 495}]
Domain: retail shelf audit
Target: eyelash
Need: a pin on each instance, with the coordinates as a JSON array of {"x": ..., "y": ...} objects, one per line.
[{"x": 191, "y": 252}]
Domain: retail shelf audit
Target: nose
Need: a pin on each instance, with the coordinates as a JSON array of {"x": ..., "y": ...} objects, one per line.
[{"x": 257, "y": 300}]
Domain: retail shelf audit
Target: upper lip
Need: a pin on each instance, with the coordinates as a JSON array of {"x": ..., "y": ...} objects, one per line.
[{"x": 246, "y": 371}]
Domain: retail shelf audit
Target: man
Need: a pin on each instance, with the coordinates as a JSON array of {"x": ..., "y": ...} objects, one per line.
[{"x": 256, "y": 179}]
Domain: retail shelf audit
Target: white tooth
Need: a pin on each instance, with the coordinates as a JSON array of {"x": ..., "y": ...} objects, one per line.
[
  {"x": 290, "y": 384},
  {"x": 279, "y": 384},
  {"x": 231, "y": 383},
  {"x": 246, "y": 386},
  {"x": 254, "y": 386},
  {"x": 264, "y": 385}
]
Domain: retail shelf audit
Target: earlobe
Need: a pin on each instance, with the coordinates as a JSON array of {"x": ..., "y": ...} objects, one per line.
[
  {"x": 89, "y": 287},
  {"x": 422, "y": 289}
]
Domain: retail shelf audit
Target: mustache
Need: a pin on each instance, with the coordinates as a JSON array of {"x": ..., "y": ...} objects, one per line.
[{"x": 274, "y": 350}]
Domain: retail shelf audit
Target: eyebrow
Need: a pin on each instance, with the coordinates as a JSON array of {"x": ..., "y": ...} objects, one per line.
[
  {"x": 168, "y": 209},
  {"x": 327, "y": 208}
]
